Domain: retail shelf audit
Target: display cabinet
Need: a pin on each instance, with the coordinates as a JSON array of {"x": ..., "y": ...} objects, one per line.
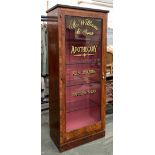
[{"x": 77, "y": 43}]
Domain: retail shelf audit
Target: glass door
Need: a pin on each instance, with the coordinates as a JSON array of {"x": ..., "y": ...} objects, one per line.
[{"x": 83, "y": 53}]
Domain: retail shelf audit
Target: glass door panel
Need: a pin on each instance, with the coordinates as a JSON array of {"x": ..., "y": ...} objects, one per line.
[{"x": 83, "y": 71}]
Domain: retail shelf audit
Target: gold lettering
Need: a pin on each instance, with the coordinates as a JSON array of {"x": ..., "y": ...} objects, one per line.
[
  {"x": 77, "y": 25},
  {"x": 84, "y": 92},
  {"x": 85, "y": 32},
  {"x": 83, "y": 72},
  {"x": 87, "y": 22},
  {"x": 78, "y": 31},
  {"x": 72, "y": 51},
  {"x": 73, "y": 24},
  {"x": 83, "y": 50}
]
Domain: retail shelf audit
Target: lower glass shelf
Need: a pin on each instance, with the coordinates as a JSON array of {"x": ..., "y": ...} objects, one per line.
[{"x": 82, "y": 117}]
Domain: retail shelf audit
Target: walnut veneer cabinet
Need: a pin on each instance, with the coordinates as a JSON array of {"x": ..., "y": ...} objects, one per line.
[{"x": 77, "y": 43}]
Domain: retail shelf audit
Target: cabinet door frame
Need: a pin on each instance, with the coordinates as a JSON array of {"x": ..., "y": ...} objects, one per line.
[{"x": 99, "y": 126}]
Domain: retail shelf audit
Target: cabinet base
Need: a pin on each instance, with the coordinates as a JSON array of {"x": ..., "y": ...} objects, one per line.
[{"x": 80, "y": 141}]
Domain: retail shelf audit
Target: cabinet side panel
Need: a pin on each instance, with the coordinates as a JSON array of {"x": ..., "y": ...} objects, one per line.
[{"x": 53, "y": 56}]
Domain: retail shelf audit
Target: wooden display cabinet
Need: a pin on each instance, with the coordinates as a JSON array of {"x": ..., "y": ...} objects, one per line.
[{"x": 77, "y": 43}]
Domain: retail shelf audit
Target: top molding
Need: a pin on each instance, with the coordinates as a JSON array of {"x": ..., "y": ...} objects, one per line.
[{"x": 76, "y": 7}]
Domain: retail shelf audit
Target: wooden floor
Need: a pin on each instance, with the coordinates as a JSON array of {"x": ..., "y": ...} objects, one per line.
[{"x": 103, "y": 146}]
